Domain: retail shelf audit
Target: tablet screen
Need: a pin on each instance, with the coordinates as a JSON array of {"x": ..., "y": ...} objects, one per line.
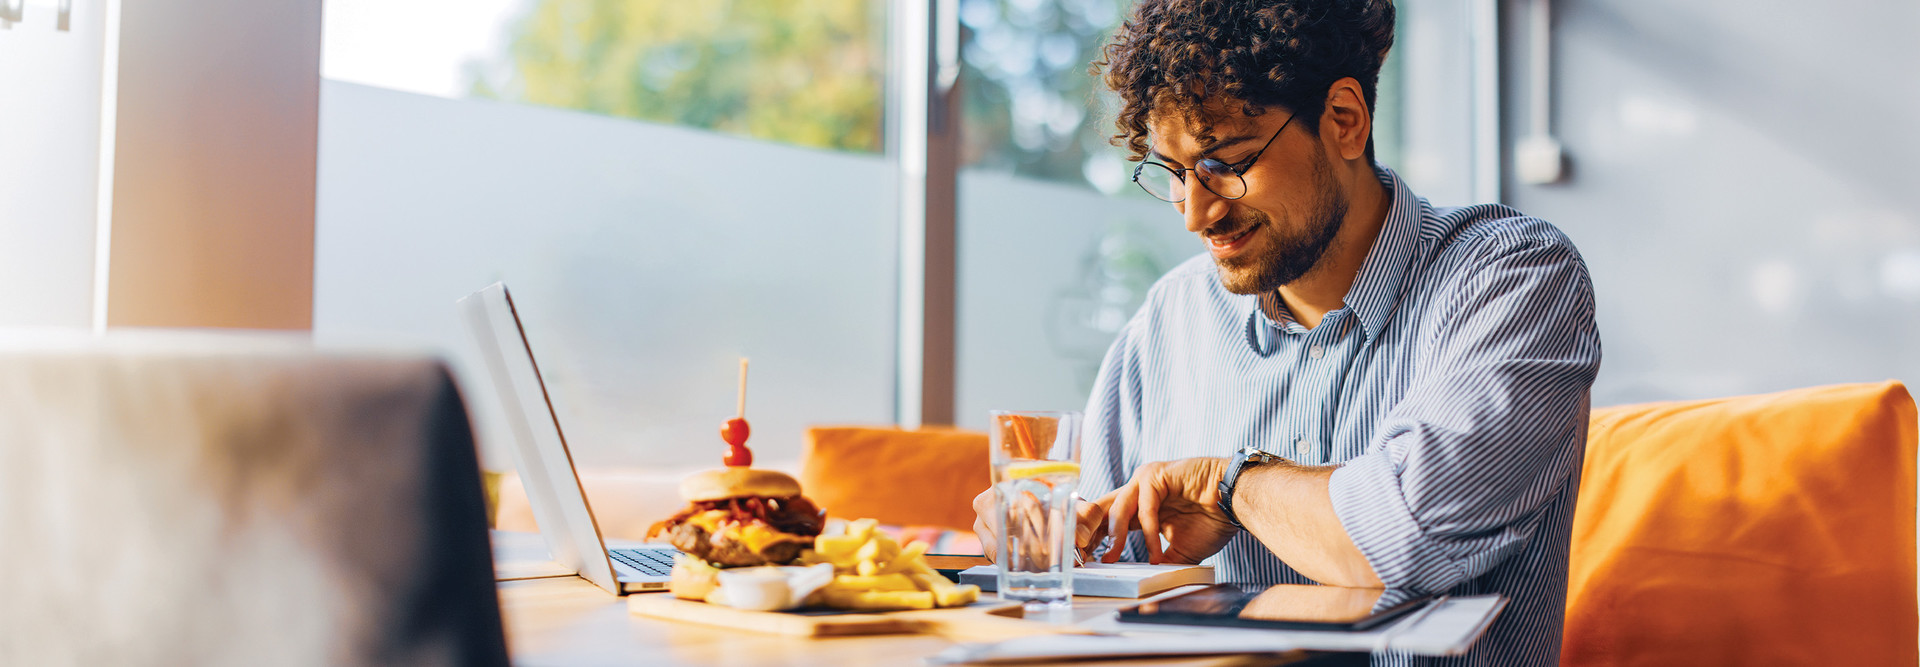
[{"x": 1284, "y": 605}]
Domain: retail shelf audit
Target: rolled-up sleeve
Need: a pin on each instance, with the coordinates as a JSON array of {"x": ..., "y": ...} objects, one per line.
[{"x": 1491, "y": 428}]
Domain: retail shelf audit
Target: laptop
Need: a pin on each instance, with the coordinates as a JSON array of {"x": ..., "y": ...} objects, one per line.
[{"x": 546, "y": 468}]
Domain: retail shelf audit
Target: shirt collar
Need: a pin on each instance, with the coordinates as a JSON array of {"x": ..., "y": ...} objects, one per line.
[{"x": 1383, "y": 273}]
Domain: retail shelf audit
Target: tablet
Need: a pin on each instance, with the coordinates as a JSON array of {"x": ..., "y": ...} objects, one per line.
[{"x": 1284, "y": 606}]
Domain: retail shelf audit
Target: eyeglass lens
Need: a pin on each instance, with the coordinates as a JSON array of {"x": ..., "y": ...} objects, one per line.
[{"x": 1166, "y": 183}]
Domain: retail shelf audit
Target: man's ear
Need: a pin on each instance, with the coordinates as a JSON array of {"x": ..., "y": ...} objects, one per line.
[{"x": 1345, "y": 123}]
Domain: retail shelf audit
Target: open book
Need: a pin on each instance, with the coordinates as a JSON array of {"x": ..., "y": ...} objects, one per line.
[{"x": 1109, "y": 580}]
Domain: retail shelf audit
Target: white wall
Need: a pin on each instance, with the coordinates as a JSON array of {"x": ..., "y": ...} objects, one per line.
[
  {"x": 190, "y": 126},
  {"x": 49, "y": 165},
  {"x": 1742, "y": 188}
]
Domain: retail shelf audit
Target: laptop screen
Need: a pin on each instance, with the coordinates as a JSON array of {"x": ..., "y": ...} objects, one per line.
[{"x": 539, "y": 449}]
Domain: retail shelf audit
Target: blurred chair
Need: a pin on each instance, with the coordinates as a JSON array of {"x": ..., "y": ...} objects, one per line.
[
  {"x": 238, "y": 499},
  {"x": 905, "y": 478},
  {"x": 1773, "y": 529}
]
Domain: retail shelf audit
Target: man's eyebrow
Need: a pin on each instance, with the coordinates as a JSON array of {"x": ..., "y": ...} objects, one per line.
[{"x": 1210, "y": 149}]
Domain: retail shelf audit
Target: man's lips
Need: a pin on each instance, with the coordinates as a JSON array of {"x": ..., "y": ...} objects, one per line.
[{"x": 1226, "y": 245}]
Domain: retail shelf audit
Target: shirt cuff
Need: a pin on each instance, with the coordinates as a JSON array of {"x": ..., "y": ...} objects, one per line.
[{"x": 1371, "y": 506}]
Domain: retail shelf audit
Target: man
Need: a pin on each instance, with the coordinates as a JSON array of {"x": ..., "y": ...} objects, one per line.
[{"x": 1422, "y": 374}]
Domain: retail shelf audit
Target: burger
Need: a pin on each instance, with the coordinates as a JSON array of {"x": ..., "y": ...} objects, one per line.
[{"x": 736, "y": 517}]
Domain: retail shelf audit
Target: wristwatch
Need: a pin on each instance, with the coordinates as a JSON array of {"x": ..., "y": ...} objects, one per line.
[{"x": 1247, "y": 456}]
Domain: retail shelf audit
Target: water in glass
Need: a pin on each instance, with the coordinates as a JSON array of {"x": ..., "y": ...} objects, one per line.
[{"x": 1036, "y": 509}]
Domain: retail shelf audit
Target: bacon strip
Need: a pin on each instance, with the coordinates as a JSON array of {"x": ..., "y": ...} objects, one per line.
[{"x": 795, "y": 514}]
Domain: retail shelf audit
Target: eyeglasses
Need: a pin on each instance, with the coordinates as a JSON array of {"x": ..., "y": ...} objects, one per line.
[{"x": 1170, "y": 185}]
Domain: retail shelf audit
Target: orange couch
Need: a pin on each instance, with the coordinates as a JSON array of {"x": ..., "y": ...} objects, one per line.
[
  {"x": 1771, "y": 529},
  {"x": 901, "y": 477}
]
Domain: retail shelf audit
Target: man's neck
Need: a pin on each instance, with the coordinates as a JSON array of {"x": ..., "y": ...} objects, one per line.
[{"x": 1324, "y": 288}]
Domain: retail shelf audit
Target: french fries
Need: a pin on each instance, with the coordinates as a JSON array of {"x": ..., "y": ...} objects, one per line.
[
  {"x": 878, "y": 600},
  {"x": 872, "y": 572},
  {"x": 906, "y": 558},
  {"x": 878, "y": 582}
]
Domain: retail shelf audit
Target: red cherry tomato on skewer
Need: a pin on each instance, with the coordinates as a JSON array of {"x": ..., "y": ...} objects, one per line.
[
  {"x": 738, "y": 457},
  {"x": 735, "y": 432}
]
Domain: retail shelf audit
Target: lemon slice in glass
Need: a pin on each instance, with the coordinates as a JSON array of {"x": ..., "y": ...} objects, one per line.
[{"x": 1025, "y": 469}]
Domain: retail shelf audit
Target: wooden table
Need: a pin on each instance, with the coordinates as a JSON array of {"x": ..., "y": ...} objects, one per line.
[{"x": 567, "y": 621}]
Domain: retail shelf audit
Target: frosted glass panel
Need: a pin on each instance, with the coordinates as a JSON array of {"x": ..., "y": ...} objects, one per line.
[
  {"x": 1048, "y": 273},
  {"x": 645, "y": 259}
]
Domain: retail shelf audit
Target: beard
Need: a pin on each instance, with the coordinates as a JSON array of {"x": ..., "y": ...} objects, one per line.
[{"x": 1288, "y": 256}]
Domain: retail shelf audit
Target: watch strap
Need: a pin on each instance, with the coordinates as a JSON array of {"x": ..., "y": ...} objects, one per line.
[{"x": 1232, "y": 479}]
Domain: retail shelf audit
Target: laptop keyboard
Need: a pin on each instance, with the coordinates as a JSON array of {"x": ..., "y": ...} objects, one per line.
[{"x": 647, "y": 561}]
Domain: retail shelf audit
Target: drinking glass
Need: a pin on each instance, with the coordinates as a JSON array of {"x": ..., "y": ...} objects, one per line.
[{"x": 1036, "y": 467}]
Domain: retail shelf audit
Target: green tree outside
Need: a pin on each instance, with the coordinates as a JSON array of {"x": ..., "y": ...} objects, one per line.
[{"x": 805, "y": 72}]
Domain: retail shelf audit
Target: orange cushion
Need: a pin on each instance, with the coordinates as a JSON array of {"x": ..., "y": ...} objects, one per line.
[
  {"x": 905, "y": 478},
  {"x": 1771, "y": 529}
]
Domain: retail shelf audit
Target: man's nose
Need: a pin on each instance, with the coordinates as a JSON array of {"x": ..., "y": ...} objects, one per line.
[{"x": 1202, "y": 207}]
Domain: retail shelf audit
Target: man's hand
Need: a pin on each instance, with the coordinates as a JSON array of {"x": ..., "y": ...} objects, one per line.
[
  {"x": 1088, "y": 530},
  {"x": 1175, "y": 503}
]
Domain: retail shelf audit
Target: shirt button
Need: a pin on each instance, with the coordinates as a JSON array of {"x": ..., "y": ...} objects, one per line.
[
  {"x": 1316, "y": 351},
  {"x": 1302, "y": 448}
]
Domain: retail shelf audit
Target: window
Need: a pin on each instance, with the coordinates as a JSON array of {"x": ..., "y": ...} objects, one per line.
[{"x": 737, "y": 216}]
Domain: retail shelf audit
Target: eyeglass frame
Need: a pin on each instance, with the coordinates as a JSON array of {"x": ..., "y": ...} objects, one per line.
[{"x": 1238, "y": 172}]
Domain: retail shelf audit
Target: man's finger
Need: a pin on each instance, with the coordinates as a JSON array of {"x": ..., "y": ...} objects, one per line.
[
  {"x": 1087, "y": 523},
  {"x": 987, "y": 526},
  {"x": 984, "y": 503},
  {"x": 1090, "y": 526},
  {"x": 980, "y": 530},
  {"x": 1033, "y": 534},
  {"x": 1092, "y": 543},
  {"x": 1120, "y": 517},
  {"x": 985, "y": 521},
  {"x": 1149, "y": 512},
  {"x": 1105, "y": 503}
]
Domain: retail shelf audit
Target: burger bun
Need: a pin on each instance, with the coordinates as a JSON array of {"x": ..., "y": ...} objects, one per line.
[{"x": 726, "y": 483}]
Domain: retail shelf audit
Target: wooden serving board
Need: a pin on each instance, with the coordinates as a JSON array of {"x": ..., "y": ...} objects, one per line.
[{"x": 979, "y": 617}]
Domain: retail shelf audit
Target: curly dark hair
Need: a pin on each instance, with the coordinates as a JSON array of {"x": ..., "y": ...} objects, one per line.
[{"x": 1199, "y": 58}]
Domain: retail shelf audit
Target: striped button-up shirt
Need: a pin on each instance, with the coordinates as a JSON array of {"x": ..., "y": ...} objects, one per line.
[{"x": 1451, "y": 389}]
